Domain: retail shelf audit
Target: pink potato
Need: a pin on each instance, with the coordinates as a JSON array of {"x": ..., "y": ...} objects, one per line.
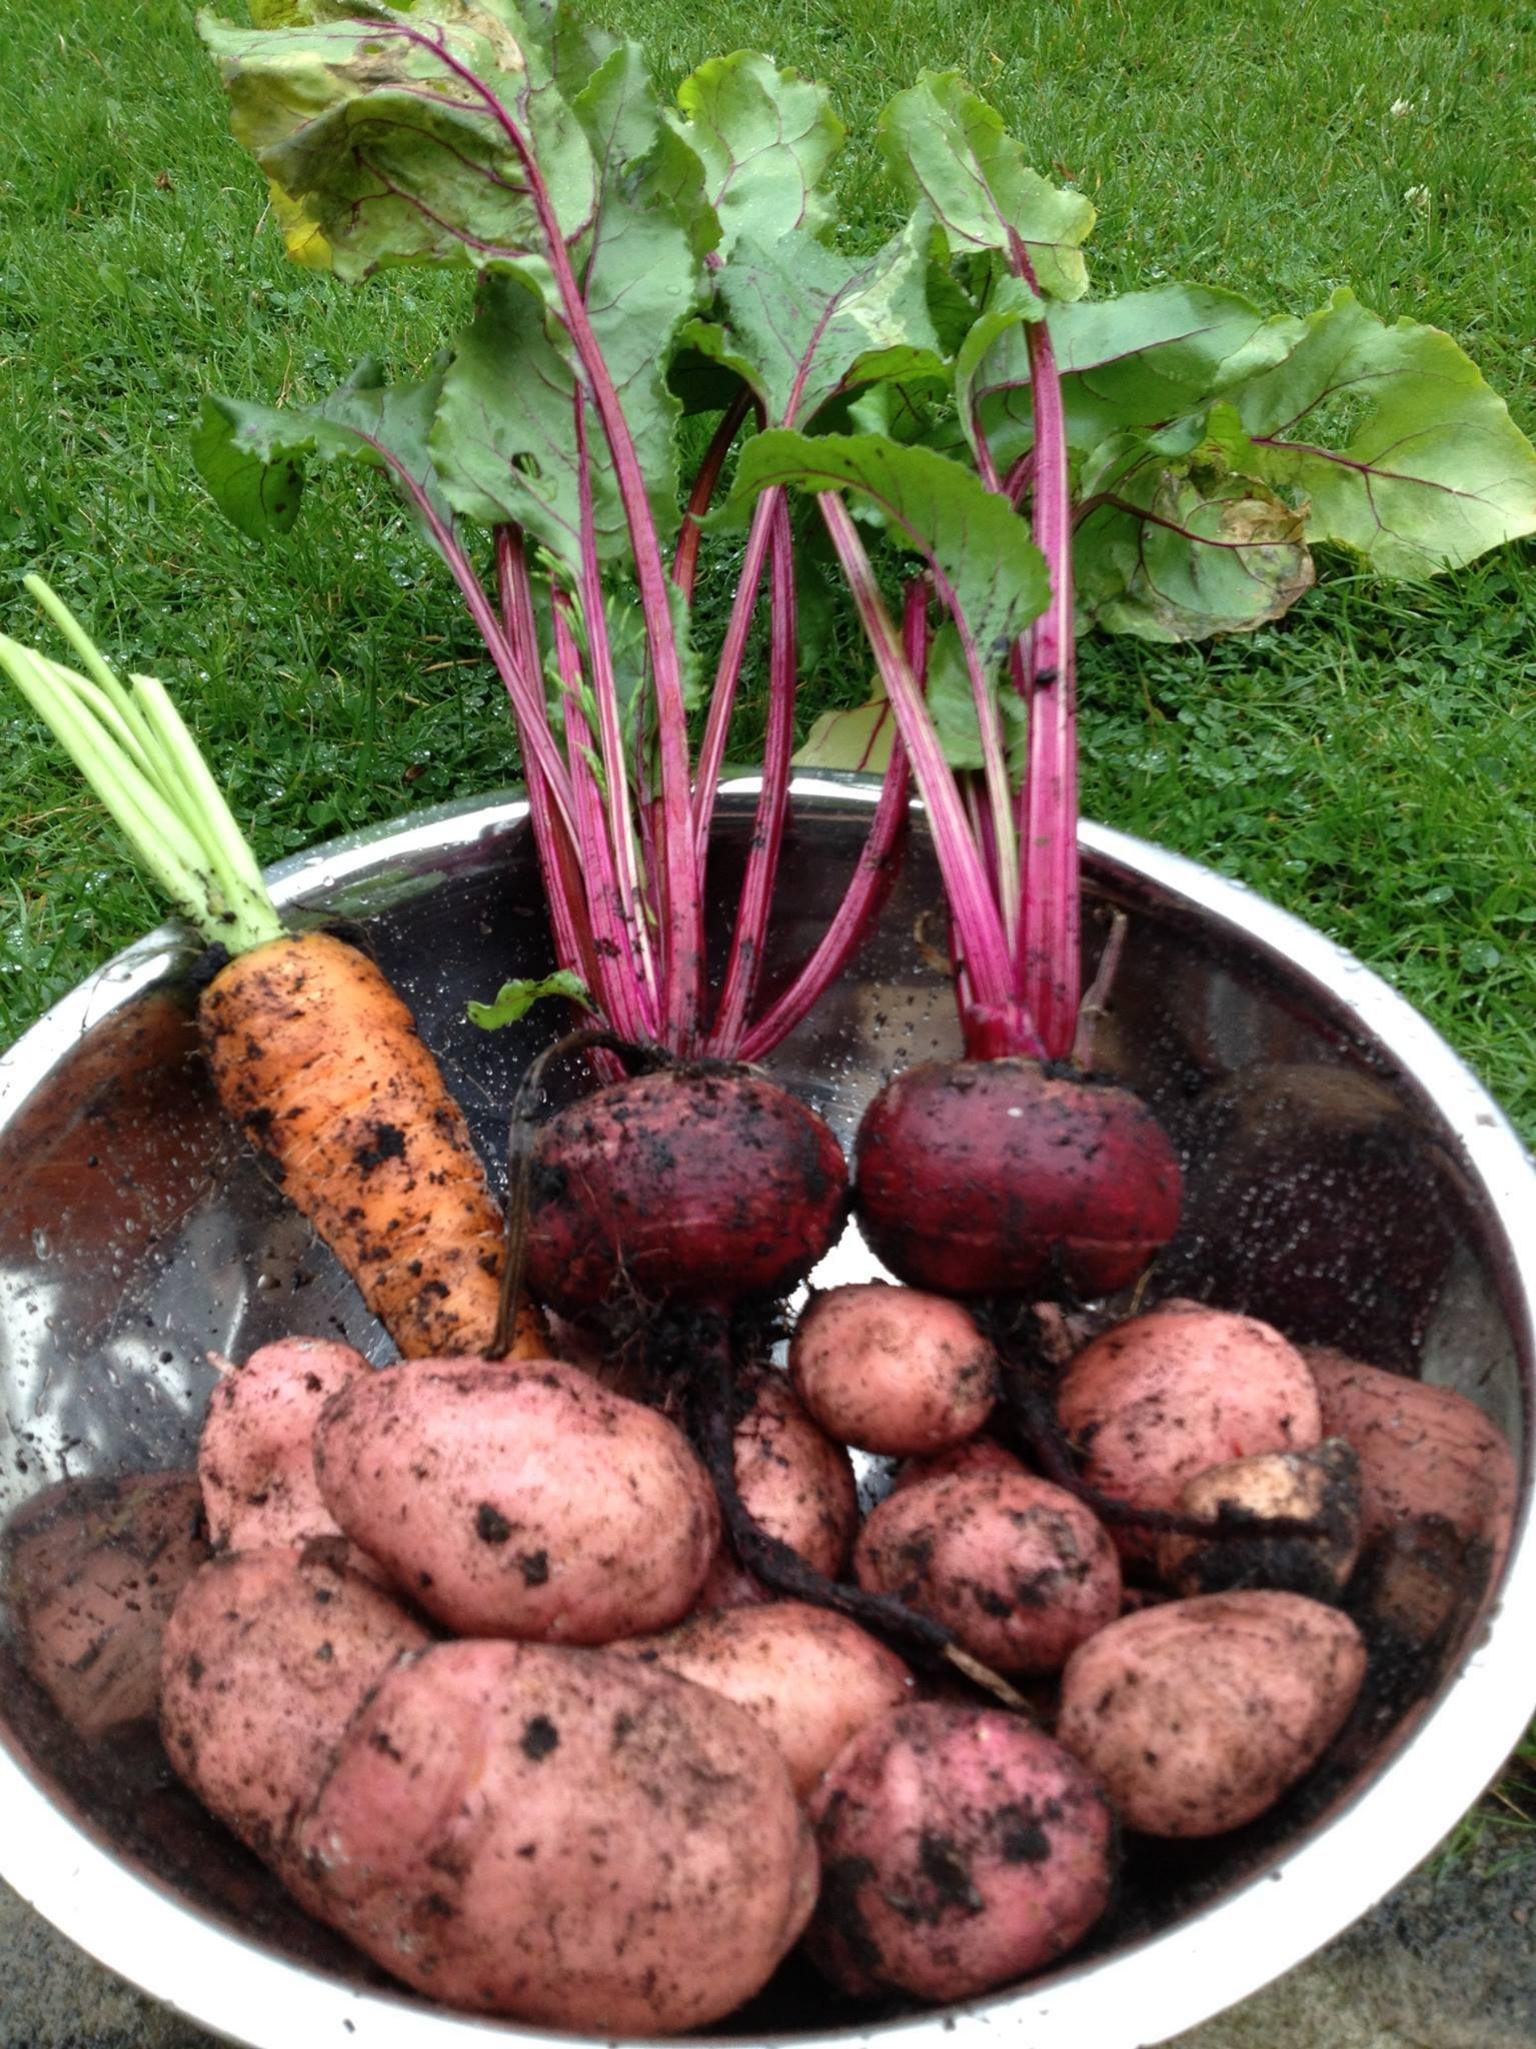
[
  {"x": 266, "y": 1659},
  {"x": 807, "y": 1676},
  {"x": 520, "y": 1499},
  {"x": 256, "y": 1455},
  {"x": 793, "y": 1479},
  {"x": 562, "y": 1837},
  {"x": 977, "y": 1455},
  {"x": 892, "y": 1370},
  {"x": 1019, "y": 1569},
  {"x": 796, "y": 1483},
  {"x": 960, "y": 1848},
  {"x": 1422, "y": 1450},
  {"x": 93, "y": 1569},
  {"x": 1152, "y": 1402},
  {"x": 1197, "y": 1715}
]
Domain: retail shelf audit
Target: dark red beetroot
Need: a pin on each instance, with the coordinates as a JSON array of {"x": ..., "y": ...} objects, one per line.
[
  {"x": 704, "y": 1185},
  {"x": 998, "y": 1176}
]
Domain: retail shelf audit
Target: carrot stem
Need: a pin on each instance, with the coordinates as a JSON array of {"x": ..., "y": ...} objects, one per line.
[{"x": 137, "y": 755}]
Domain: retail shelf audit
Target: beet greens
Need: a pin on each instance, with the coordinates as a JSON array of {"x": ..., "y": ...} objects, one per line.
[{"x": 1174, "y": 454}]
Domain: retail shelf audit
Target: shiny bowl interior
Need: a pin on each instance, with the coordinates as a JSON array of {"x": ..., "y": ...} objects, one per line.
[{"x": 1349, "y": 1180}]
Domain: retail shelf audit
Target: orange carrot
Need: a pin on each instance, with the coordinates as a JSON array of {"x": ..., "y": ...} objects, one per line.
[
  {"x": 319, "y": 1061},
  {"x": 312, "y": 1052}
]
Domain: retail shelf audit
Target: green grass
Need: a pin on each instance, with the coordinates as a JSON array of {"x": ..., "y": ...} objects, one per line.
[{"x": 1371, "y": 763}]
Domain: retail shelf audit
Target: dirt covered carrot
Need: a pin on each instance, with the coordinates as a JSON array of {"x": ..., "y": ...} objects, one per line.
[{"x": 311, "y": 1050}]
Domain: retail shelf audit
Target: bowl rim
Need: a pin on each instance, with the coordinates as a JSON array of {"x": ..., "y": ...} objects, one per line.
[{"x": 1146, "y": 1992}]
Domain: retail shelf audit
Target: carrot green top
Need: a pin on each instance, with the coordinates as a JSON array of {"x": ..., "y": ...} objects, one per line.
[{"x": 133, "y": 749}]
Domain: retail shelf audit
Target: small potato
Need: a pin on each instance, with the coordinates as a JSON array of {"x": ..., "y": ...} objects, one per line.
[
  {"x": 978, "y": 1455},
  {"x": 960, "y": 1848},
  {"x": 256, "y": 1456},
  {"x": 1155, "y": 1401},
  {"x": 266, "y": 1659},
  {"x": 892, "y": 1370},
  {"x": 809, "y": 1677},
  {"x": 793, "y": 1479},
  {"x": 796, "y": 1483},
  {"x": 1320, "y": 1487},
  {"x": 1197, "y": 1715},
  {"x": 1423, "y": 1451},
  {"x": 1020, "y": 1570},
  {"x": 563, "y": 1837},
  {"x": 520, "y": 1499},
  {"x": 93, "y": 1569}
]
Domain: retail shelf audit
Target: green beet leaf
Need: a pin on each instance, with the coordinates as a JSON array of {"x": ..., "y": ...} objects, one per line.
[
  {"x": 859, "y": 740},
  {"x": 971, "y": 536},
  {"x": 387, "y": 151},
  {"x": 952, "y": 707},
  {"x": 1403, "y": 451},
  {"x": 765, "y": 137},
  {"x": 1137, "y": 361},
  {"x": 513, "y": 1000},
  {"x": 803, "y": 322},
  {"x": 505, "y": 438},
  {"x": 949, "y": 147},
  {"x": 252, "y": 457},
  {"x": 1180, "y": 548}
]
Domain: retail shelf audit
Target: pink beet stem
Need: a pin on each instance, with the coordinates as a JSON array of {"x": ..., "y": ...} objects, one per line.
[
  {"x": 1049, "y": 969},
  {"x": 619, "y": 986},
  {"x": 685, "y": 562},
  {"x": 750, "y": 938},
  {"x": 728, "y": 672},
  {"x": 620, "y": 822},
  {"x": 678, "y": 882},
  {"x": 873, "y": 875},
  {"x": 972, "y": 907}
]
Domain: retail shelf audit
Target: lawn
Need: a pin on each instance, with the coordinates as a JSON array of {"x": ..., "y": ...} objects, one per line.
[{"x": 1371, "y": 764}]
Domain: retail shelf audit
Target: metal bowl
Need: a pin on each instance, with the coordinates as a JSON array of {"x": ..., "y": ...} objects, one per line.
[{"x": 1348, "y": 1178}]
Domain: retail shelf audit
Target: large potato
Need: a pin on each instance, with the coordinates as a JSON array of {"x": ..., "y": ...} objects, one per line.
[
  {"x": 266, "y": 1658},
  {"x": 1422, "y": 1450},
  {"x": 960, "y": 1848},
  {"x": 93, "y": 1569},
  {"x": 563, "y": 1837},
  {"x": 809, "y": 1677},
  {"x": 256, "y": 1456},
  {"x": 520, "y": 1500},
  {"x": 891, "y": 1369},
  {"x": 1152, "y": 1402},
  {"x": 1197, "y": 1715},
  {"x": 1019, "y": 1570}
]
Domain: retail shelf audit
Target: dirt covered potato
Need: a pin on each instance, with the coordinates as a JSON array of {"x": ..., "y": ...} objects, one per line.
[
  {"x": 563, "y": 1837},
  {"x": 891, "y": 1369},
  {"x": 810, "y": 1678},
  {"x": 1320, "y": 1488},
  {"x": 1154, "y": 1401},
  {"x": 793, "y": 1479},
  {"x": 960, "y": 1848},
  {"x": 266, "y": 1659},
  {"x": 976, "y": 1455},
  {"x": 256, "y": 1456},
  {"x": 520, "y": 1499},
  {"x": 92, "y": 1570},
  {"x": 1019, "y": 1569},
  {"x": 1196, "y": 1715},
  {"x": 1423, "y": 1451}
]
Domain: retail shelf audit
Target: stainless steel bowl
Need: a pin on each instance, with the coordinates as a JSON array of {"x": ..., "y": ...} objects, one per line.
[{"x": 1349, "y": 1179}]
